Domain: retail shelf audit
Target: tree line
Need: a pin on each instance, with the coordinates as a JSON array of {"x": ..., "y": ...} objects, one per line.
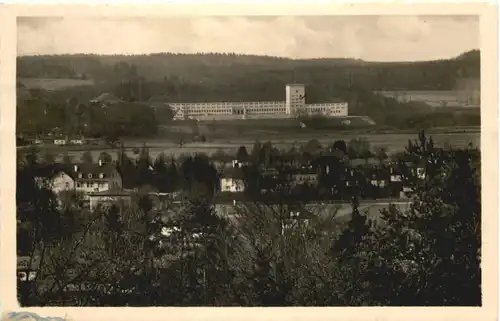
[
  {"x": 43, "y": 113},
  {"x": 266, "y": 254},
  {"x": 428, "y": 75}
]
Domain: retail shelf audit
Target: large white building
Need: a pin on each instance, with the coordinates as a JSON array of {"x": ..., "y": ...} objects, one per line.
[{"x": 293, "y": 106}]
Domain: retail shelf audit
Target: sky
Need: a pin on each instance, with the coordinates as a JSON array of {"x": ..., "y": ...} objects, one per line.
[{"x": 371, "y": 38}]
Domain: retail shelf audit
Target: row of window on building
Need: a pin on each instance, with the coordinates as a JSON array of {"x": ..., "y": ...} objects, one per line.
[{"x": 205, "y": 110}]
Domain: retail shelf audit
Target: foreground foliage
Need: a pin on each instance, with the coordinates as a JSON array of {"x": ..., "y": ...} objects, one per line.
[{"x": 264, "y": 254}]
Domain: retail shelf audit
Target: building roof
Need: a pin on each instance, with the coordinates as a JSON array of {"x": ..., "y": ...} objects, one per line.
[
  {"x": 94, "y": 169},
  {"x": 231, "y": 172},
  {"x": 330, "y": 101},
  {"x": 362, "y": 162},
  {"x": 303, "y": 171},
  {"x": 61, "y": 137},
  {"x": 159, "y": 99},
  {"x": 114, "y": 192},
  {"x": 48, "y": 171},
  {"x": 106, "y": 98}
]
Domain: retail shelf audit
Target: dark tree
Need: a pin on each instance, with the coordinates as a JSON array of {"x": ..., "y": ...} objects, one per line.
[
  {"x": 87, "y": 158},
  {"x": 429, "y": 254},
  {"x": 256, "y": 153},
  {"x": 173, "y": 177},
  {"x": 161, "y": 174},
  {"x": 127, "y": 169},
  {"x": 312, "y": 147},
  {"x": 340, "y": 145},
  {"x": 144, "y": 174},
  {"x": 242, "y": 154},
  {"x": 67, "y": 159},
  {"x": 105, "y": 158}
]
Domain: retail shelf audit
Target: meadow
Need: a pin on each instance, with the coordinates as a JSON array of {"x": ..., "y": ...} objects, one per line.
[
  {"x": 52, "y": 84},
  {"x": 391, "y": 142}
]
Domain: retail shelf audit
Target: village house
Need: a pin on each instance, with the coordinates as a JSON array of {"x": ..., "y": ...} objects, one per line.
[
  {"x": 222, "y": 162},
  {"x": 62, "y": 181},
  {"x": 350, "y": 177},
  {"x": 379, "y": 176},
  {"x": 106, "y": 99},
  {"x": 304, "y": 176},
  {"x": 61, "y": 141},
  {"x": 232, "y": 181},
  {"x": 96, "y": 177},
  {"x": 83, "y": 178},
  {"x": 78, "y": 140},
  {"x": 395, "y": 181}
]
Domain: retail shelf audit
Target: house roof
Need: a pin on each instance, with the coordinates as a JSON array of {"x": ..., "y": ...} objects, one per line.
[
  {"x": 159, "y": 99},
  {"x": 65, "y": 138},
  {"x": 106, "y": 98},
  {"x": 85, "y": 169},
  {"x": 48, "y": 171},
  {"x": 303, "y": 171},
  {"x": 114, "y": 192},
  {"x": 232, "y": 173},
  {"x": 361, "y": 162}
]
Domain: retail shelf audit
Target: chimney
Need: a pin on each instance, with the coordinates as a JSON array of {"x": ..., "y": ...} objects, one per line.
[
  {"x": 76, "y": 168},
  {"x": 100, "y": 163}
]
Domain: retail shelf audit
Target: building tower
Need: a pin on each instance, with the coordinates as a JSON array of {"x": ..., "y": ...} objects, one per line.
[{"x": 295, "y": 99}]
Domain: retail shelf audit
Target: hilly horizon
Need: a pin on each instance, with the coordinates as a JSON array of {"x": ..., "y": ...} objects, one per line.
[
  {"x": 471, "y": 54},
  {"x": 245, "y": 71}
]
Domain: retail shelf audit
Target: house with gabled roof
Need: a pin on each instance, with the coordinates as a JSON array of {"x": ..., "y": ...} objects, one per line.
[
  {"x": 82, "y": 178},
  {"x": 105, "y": 100},
  {"x": 232, "y": 180},
  {"x": 57, "y": 177},
  {"x": 96, "y": 177}
]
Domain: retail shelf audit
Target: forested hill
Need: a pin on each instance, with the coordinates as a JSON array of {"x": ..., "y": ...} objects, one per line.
[{"x": 214, "y": 68}]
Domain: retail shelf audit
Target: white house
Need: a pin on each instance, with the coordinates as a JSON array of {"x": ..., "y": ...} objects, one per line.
[
  {"x": 60, "y": 141},
  {"x": 77, "y": 141},
  {"x": 305, "y": 176},
  {"x": 62, "y": 182},
  {"x": 83, "y": 178},
  {"x": 396, "y": 178},
  {"x": 99, "y": 177},
  {"x": 232, "y": 181},
  {"x": 230, "y": 184}
]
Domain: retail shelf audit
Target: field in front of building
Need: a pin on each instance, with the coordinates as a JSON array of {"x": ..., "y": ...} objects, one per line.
[
  {"x": 230, "y": 144},
  {"x": 280, "y": 124},
  {"x": 54, "y": 83}
]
